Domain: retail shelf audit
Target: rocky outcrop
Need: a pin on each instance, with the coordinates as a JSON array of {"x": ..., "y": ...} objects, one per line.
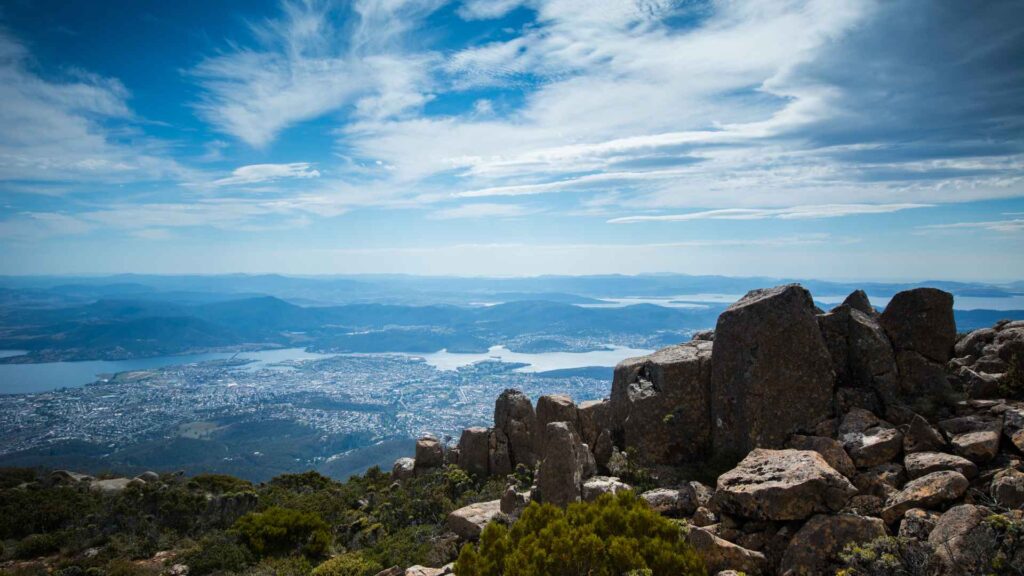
[
  {"x": 875, "y": 445},
  {"x": 771, "y": 373},
  {"x": 516, "y": 420},
  {"x": 474, "y": 450},
  {"x": 861, "y": 354},
  {"x": 920, "y": 325},
  {"x": 403, "y": 468},
  {"x": 661, "y": 403},
  {"x": 429, "y": 454},
  {"x": 781, "y": 485},
  {"x": 566, "y": 462}
]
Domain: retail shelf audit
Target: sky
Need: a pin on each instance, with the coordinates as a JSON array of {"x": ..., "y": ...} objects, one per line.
[{"x": 852, "y": 140}]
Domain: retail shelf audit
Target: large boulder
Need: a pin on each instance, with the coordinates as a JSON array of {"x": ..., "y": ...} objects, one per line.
[
  {"x": 719, "y": 554},
  {"x": 474, "y": 451},
  {"x": 515, "y": 418},
  {"x": 596, "y": 486},
  {"x": 554, "y": 408},
  {"x": 771, "y": 373},
  {"x": 594, "y": 417},
  {"x": 930, "y": 491},
  {"x": 858, "y": 300},
  {"x": 962, "y": 543},
  {"x": 862, "y": 356},
  {"x": 1007, "y": 489},
  {"x": 564, "y": 465},
  {"x": 403, "y": 468},
  {"x": 921, "y": 320},
  {"x": 468, "y": 522},
  {"x": 429, "y": 453},
  {"x": 781, "y": 485},
  {"x": 660, "y": 403},
  {"x": 816, "y": 546},
  {"x": 922, "y": 463},
  {"x": 672, "y": 502}
]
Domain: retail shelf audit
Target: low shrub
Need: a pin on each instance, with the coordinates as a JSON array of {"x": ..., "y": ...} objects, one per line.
[
  {"x": 613, "y": 535},
  {"x": 350, "y": 564},
  {"x": 281, "y": 532},
  {"x": 217, "y": 552},
  {"x": 36, "y": 545}
]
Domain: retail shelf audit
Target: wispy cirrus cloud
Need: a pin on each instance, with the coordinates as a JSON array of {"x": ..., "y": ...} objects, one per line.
[
  {"x": 75, "y": 126},
  {"x": 482, "y": 210},
  {"x": 316, "y": 58},
  {"x": 1013, "y": 226},
  {"x": 792, "y": 213},
  {"x": 261, "y": 173}
]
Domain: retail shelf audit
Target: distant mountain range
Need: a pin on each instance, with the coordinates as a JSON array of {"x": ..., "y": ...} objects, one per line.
[{"x": 59, "y": 318}]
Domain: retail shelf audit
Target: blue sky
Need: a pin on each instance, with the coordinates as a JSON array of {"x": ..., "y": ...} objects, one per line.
[{"x": 854, "y": 140}]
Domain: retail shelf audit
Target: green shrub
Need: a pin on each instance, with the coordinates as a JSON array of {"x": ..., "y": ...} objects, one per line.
[
  {"x": 281, "y": 531},
  {"x": 608, "y": 537},
  {"x": 350, "y": 564},
  {"x": 219, "y": 483},
  {"x": 289, "y": 566},
  {"x": 36, "y": 545},
  {"x": 122, "y": 567},
  {"x": 217, "y": 552},
  {"x": 887, "y": 556}
]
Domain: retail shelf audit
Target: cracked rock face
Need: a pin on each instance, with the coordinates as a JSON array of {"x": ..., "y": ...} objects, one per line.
[
  {"x": 661, "y": 403},
  {"x": 771, "y": 373},
  {"x": 782, "y": 485}
]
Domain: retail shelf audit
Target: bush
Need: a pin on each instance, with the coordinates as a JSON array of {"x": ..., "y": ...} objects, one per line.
[
  {"x": 219, "y": 483},
  {"x": 611, "y": 536},
  {"x": 280, "y": 532},
  {"x": 291, "y": 566},
  {"x": 36, "y": 545},
  {"x": 886, "y": 556},
  {"x": 217, "y": 552},
  {"x": 351, "y": 564}
]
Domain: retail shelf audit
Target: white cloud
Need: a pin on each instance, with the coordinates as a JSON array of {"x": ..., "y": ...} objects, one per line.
[
  {"x": 1013, "y": 226},
  {"x": 793, "y": 213},
  {"x": 259, "y": 173},
  {"x": 63, "y": 128},
  {"x": 307, "y": 64},
  {"x": 482, "y": 210}
]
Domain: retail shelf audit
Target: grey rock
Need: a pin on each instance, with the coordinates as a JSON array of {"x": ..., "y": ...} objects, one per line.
[
  {"x": 554, "y": 408},
  {"x": 514, "y": 416},
  {"x": 1007, "y": 489},
  {"x": 661, "y": 402},
  {"x": 920, "y": 436},
  {"x": 923, "y": 463},
  {"x": 429, "y": 453},
  {"x": 596, "y": 486},
  {"x": 719, "y": 554},
  {"x": 474, "y": 451},
  {"x": 771, "y": 374},
  {"x": 918, "y": 523},
  {"x": 781, "y": 485},
  {"x": 929, "y": 491},
  {"x": 562, "y": 469},
  {"x": 816, "y": 546},
  {"x": 403, "y": 468},
  {"x": 921, "y": 320},
  {"x": 468, "y": 522}
]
